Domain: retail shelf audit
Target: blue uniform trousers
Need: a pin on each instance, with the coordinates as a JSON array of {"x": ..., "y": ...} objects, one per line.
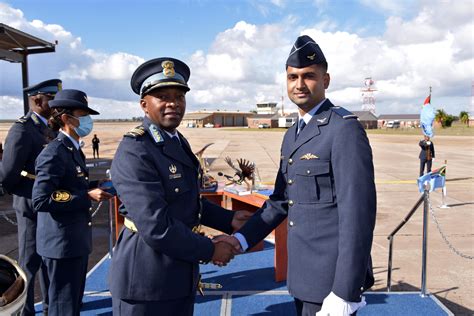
[
  {"x": 182, "y": 307},
  {"x": 67, "y": 280},
  {"x": 28, "y": 258}
]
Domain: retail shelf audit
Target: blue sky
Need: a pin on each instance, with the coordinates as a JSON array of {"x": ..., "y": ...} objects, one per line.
[{"x": 237, "y": 49}]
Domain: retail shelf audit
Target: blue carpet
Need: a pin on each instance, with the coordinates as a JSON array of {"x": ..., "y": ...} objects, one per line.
[{"x": 249, "y": 289}]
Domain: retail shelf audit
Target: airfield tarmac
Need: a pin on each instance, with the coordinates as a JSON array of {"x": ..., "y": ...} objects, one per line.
[{"x": 396, "y": 162}]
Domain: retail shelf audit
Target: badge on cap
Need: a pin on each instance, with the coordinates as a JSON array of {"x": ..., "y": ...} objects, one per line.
[
  {"x": 61, "y": 196},
  {"x": 311, "y": 57},
  {"x": 168, "y": 68}
]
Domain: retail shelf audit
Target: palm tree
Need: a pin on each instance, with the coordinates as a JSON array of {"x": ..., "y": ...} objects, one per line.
[
  {"x": 464, "y": 117},
  {"x": 440, "y": 116}
]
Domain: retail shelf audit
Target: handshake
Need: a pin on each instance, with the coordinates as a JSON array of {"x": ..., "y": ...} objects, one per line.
[{"x": 225, "y": 246}]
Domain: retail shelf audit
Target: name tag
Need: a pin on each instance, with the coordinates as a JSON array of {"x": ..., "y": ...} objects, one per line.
[{"x": 175, "y": 176}]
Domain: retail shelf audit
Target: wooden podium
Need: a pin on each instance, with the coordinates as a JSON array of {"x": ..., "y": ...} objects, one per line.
[{"x": 236, "y": 202}]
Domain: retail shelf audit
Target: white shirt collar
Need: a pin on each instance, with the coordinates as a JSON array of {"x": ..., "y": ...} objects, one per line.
[
  {"x": 171, "y": 135},
  {"x": 307, "y": 117},
  {"x": 75, "y": 142}
]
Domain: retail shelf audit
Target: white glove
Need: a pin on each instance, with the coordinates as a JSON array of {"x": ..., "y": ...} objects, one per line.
[{"x": 333, "y": 305}]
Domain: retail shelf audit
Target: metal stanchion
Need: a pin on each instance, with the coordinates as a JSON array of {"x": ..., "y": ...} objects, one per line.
[
  {"x": 392, "y": 236},
  {"x": 389, "y": 269},
  {"x": 444, "y": 191},
  {"x": 111, "y": 226},
  {"x": 426, "y": 207}
]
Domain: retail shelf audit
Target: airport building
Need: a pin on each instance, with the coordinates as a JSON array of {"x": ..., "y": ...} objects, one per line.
[
  {"x": 216, "y": 119},
  {"x": 399, "y": 120}
]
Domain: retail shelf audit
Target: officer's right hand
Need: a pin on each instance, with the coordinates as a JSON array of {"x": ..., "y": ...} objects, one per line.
[
  {"x": 99, "y": 195},
  {"x": 223, "y": 253}
]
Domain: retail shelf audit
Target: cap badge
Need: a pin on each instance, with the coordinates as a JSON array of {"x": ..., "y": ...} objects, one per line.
[
  {"x": 172, "y": 168},
  {"x": 60, "y": 86},
  {"x": 61, "y": 196},
  {"x": 168, "y": 68},
  {"x": 311, "y": 57}
]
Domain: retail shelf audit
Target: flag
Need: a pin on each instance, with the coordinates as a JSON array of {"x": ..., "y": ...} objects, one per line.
[
  {"x": 436, "y": 178},
  {"x": 427, "y": 117},
  {"x": 427, "y": 100}
]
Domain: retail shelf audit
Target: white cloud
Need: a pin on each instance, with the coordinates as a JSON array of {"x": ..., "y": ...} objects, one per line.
[{"x": 244, "y": 64}]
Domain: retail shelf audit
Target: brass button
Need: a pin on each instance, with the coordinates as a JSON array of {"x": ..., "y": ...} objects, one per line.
[
  {"x": 290, "y": 161},
  {"x": 290, "y": 182},
  {"x": 87, "y": 178},
  {"x": 90, "y": 224},
  {"x": 176, "y": 190},
  {"x": 291, "y": 223},
  {"x": 308, "y": 172},
  {"x": 290, "y": 202},
  {"x": 199, "y": 177},
  {"x": 90, "y": 208}
]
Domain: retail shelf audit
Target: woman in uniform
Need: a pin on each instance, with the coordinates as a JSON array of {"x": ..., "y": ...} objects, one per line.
[{"x": 62, "y": 197}]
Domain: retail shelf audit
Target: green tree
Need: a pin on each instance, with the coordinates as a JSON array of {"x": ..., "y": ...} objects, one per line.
[
  {"x": 440, "y": 117},
  {"x": 464, "y": 117}
]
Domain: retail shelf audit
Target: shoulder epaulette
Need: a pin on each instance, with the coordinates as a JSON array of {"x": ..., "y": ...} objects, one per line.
[
  {"x": 345, "y": 114},
  {"x": 22, "y": 119},
  {"x": 136, "y": 132}
]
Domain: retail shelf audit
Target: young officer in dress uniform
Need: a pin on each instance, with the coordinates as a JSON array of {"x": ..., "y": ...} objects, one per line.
[
  {"x": 427, "y": 154},
  {"x": 25, "y": 140},
  {"x": 62, "y": 198},
  {"x": 155, "y": 267},
  {"x": 325, "y": 187}
]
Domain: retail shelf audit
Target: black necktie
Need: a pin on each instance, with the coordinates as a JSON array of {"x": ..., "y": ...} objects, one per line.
[{"x": 176, "y": 141}]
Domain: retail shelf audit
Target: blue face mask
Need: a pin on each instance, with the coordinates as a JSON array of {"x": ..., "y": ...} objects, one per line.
[{"x": 85, "y": 126}]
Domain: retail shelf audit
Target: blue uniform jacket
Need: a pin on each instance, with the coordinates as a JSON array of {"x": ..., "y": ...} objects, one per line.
[
  {"x": 424, "y": 148},
  {"x": 25, "y": 140},
  {"x": 325, "y": 187},
  {"x": 60, "y": 196},
  {"x": 158, "y": 182}
]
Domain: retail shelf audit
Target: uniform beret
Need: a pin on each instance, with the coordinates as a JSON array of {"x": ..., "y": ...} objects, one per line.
[
  {"x": 51, "y": 86},
  {"x": 158, "y": 73},
  {"x": 71, "y": 99},
  {"x": 305, "y": 52}
]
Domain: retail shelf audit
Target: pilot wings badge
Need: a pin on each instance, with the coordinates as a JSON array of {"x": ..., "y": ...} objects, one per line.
[{"x": 309, "y": 156}]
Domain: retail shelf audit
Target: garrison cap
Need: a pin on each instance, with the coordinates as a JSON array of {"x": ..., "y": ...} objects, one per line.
[
  {"x": 305, "y": 52},
  {"x": 71, "y": 99},
  {"x": 158, "y": 73},
  {"x": 46, "y": 87}
]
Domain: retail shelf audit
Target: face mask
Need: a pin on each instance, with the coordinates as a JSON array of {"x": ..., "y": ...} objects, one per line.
[{"x": 85, "y": 125}]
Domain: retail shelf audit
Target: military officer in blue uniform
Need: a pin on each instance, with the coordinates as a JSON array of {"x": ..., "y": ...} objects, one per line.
[
  {"x": 427, "y": 154},
  {"x": 155, "y": 266},
  {"x": 62, "y": 195},
  {"x": 25, "y": 140},
  {"x": 325, "y": 188}
]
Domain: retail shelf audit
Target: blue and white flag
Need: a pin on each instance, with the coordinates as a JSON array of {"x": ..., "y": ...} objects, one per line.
[
  {"x": 427, "y": 117},
  {"x": 436, "y": 178}
]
